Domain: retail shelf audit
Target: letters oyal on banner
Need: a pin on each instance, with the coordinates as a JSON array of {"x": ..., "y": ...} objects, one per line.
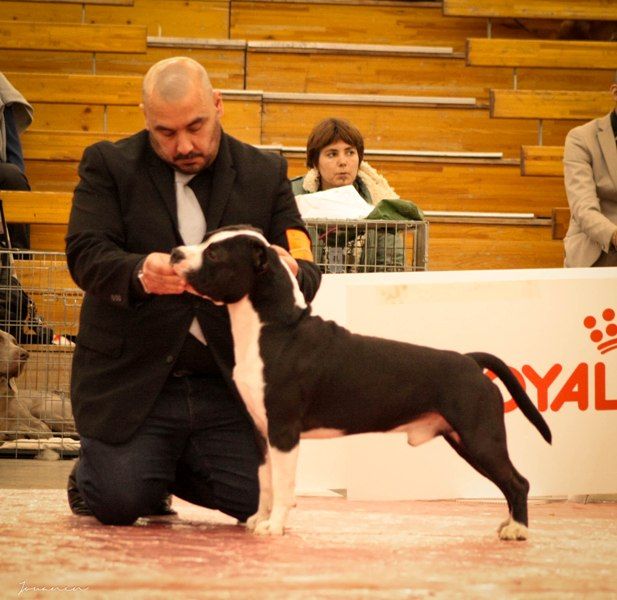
[{"x": 585, "y": 385}]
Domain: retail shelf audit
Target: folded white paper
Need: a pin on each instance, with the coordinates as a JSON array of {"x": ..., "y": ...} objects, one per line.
[{"x": 336, "y": 203}]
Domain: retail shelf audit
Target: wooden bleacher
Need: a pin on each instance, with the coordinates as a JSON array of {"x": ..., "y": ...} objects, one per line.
[
  {"x": 71, "y": 37},
  {"x": 372, "y": 22},
  {"x": 403, "y": 123},
  {"x": 553, "y": 54},
  {"x": 457, "y": 183},
  {"x": 85, "y": 2},
  {"x": 47, "y": 212},
  {"x": 600, "y": 10},
  {"x": 458, "y": 242},
  {"x": 203, "y": 19},
  {"x": 321, "y": 67},
  {"x": 36, "y": 207},
  {"x": 542, "y": 161},
  {"x": 442, "y": 181},
  {"x": 110, "y": 104},
  {"x": 386, "y": 69},
  {"x": 65, "y": 102},
  {"x": 297, "y": 77},
  {"x": 455, "y": 242},
  {"x": 560, "y": 221},
  {"x": 550, "y": 104},
  {"x": 225, "y": 60}
]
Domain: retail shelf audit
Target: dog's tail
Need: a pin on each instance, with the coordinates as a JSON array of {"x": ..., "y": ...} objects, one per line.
[{"x": 488, "y": 361}]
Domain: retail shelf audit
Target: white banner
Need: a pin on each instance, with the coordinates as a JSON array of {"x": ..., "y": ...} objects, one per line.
[{"x": 555, "y": 328}]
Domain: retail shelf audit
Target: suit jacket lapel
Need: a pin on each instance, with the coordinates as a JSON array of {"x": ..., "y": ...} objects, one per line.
[
  {"x": 222, "y": 182},
  {"x": 606, "y": 139},
  {"x": 163, "y": 179}
]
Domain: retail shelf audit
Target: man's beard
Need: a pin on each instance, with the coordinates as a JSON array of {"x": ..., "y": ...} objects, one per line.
[
  {"x": 173, "y": 164},
  {"x": 190, "y": 155}
]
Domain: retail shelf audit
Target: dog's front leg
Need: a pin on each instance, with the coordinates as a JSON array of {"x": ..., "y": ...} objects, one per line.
[
  {"x": 265, "y": 493},
  {"x": 283, "y": 477}
]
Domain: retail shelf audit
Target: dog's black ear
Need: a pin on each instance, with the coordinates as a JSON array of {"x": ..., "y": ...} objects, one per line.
[{"x": 260, "y": 257}]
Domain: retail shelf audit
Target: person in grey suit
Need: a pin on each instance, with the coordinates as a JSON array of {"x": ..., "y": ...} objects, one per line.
[
  {"x": 590, "y": 178},
  {"x": 151, "y": 386}
]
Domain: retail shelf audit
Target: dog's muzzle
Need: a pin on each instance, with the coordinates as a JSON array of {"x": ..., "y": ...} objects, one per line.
[{"x": 177, "y": 256}]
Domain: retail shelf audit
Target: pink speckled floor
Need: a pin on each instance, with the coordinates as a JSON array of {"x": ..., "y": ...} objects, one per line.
[{"x": 335, "y": 548}]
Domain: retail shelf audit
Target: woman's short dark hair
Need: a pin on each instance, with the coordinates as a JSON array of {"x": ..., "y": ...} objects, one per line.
[{"x": 328, "y": 132}]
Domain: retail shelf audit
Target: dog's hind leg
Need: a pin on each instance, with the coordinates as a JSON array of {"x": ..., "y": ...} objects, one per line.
[{"x": 494, "y": 463}]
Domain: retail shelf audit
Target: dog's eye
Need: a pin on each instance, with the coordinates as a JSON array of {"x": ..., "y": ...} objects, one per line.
[{"x": 212, "y": 253}]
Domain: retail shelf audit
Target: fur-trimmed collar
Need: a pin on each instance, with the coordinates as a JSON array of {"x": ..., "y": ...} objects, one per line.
[{"x": 376, "y": 185}]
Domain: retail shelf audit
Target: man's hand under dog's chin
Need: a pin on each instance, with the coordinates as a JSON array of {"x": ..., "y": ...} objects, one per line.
[{"x": 157, "y": 276}]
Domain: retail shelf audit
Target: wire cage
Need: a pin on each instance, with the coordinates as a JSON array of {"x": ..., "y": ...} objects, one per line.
[
  {"x": 39, "y": 315},
  {"x": 368, "y": 246}
]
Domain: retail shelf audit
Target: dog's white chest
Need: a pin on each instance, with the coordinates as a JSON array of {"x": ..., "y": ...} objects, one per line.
[{"x": 248, "y": 373}]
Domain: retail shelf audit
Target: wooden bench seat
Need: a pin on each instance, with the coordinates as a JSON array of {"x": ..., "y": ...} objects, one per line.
[
  {"x": 600, "y": 10},
  {"x": 553, "y": 54},
  {"x": 403, "y": 123},
  {"x": 85, "y": 2},
  {"x": 200, "y": 19},
  {"x": 543, "y": 161},
  {"x": 317, "y": 67},
  {"x": 36, "y": 207},
  {"x": 204, "y": 19},
  {"x": 437, "y": 180},
  {"x": 560, "y": 221},
  {"x": 60, "y": 146},
  {"x": 473, "y": 242},
  {"x": 397, "y": 122},
  {"x": 223, "y": 58},
  {"x": 369, "y": 22},
  {"x": 47, "y": 212},
  {"x": 110, "y": 104},
  {"x": 455, "y": 241},
  {"x": 71, "y": 37},
  {"x": 549, "y": 104}
]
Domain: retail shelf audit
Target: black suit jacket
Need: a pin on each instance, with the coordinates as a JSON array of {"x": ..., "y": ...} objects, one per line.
[{"x": 124, "y": 207}]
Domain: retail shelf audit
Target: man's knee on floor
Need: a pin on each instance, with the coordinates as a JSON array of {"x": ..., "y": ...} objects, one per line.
[
  {"x": 124, "y": 506},
  {"x": 240, "y": 503}
]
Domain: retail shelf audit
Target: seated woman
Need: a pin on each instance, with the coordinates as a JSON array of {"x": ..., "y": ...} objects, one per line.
[{"x": 334, "y": 156}]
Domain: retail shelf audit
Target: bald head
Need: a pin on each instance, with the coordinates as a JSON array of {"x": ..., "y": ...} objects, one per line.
[
  {"x": 174, "y": 78},
  {"x": 182, "y": 114}
]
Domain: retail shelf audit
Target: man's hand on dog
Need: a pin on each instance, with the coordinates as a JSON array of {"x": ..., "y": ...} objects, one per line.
[{"x": 159, "y": 277}]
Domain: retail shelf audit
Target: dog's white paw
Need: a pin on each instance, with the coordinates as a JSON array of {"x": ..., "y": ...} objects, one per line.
[
  {"x": 252, "y": 522},
  {"x": 511, "y": 530},
  {"x": 268, "y": 527}
]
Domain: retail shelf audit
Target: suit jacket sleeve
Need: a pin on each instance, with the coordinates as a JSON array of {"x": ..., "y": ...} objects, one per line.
[
  {"x": 96, "y": 239},
  {"x": 581, "y": 191},
  {"x": 287, "y": 216}
]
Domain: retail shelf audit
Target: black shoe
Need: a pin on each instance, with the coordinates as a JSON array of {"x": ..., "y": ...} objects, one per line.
[
  {"x": 76, "y": 502},
  {"x": 79, "y": 507},
  {"x": 164, "y": 508}
]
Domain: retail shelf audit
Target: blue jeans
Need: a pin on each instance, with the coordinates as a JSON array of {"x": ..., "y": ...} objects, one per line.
[{"x": 197, "y": 443}]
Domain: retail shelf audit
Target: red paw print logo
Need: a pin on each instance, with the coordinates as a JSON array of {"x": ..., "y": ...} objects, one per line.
[{"x": 603, "y": 331}]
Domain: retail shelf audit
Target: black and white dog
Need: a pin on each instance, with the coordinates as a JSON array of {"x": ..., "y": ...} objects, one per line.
[{"x": 301, "y": 376}]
